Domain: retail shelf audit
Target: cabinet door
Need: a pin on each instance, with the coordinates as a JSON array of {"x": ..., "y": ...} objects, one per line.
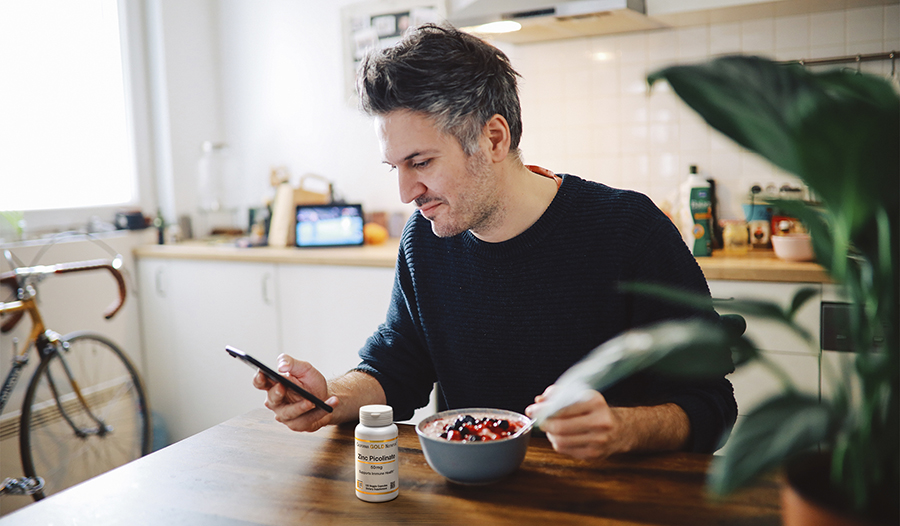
[
  {"x": 770, "y": 335},
  {"x": 154, "y": 286},
  {"x": 328, "y": 312},
  {"x": 196, "y": 308},
  {"x": 753, "y": 383}
]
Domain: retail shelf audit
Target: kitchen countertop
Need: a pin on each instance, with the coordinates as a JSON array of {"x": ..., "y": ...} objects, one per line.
[{"x": 757, "y": 265}]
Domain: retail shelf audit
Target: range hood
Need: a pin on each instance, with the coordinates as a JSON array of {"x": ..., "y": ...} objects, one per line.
[{"x": 552, "y": 19}]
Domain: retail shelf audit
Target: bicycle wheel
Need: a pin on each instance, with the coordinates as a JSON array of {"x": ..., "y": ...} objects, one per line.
[{"x": 66, "y": 439}]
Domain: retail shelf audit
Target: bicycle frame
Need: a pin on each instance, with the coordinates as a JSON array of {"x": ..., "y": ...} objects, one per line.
[
  {"x": 20, "y": 356},
  {"x": 46, "y": 341}
]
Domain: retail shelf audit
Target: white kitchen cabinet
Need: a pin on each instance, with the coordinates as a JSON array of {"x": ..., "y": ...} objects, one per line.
[
  {"x": 753, "y": 383},
  {"x": 771, "y": 335},
  {"x": 328, "y": 312},
  {"x": 190, "y": 310}
]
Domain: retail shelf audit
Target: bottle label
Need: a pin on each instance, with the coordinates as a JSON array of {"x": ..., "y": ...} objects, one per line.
[
  {"x": 701, "y": 211},
  {"x": 376, "y": 466}
]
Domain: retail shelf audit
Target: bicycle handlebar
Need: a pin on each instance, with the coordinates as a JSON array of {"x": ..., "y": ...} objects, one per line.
[
  {"x": 11, "y": 279},
  {"x": 111, "y": 265}
]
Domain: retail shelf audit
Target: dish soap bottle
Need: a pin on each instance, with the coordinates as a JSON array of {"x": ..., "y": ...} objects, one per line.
[{"x": 696, "y": 213}]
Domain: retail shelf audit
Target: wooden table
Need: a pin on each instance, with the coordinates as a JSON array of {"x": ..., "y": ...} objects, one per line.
[{"x": 252, "y": 470}]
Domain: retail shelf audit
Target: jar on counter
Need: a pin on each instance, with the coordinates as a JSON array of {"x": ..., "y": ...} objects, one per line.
[{"x": 735, "y": 237}]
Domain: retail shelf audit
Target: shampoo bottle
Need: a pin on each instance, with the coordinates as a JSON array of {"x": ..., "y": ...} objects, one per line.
[{"x": 696, "y": 213}]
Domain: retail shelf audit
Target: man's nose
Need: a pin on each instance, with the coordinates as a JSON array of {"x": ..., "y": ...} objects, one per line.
[{"x": 410, "y": 186}]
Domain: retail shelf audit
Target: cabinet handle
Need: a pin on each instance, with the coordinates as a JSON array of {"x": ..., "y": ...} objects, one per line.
[
  {"x": 160, "y": 291},
  {"x": 265, "y": 288}
]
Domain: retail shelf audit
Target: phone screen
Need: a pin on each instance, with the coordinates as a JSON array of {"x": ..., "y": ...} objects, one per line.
[{"x": 272, "y": 375}]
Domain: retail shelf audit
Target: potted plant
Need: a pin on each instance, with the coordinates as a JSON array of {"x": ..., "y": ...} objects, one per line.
[{"x": 839, "y": 131}]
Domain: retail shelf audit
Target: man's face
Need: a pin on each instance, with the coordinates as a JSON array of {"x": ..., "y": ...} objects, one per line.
[{"x": 453, "y": 191}]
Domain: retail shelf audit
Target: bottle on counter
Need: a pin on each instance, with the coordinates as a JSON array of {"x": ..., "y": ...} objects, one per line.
[
  {"x": 160, "y": 224},
  {"x": 696, "y": 214},
  {"x": 377, "y": 462},
  {"x": 735, "y": 238}
]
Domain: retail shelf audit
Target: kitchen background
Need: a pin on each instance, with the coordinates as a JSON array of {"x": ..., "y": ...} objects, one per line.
[{"x": 267, "y": 78}]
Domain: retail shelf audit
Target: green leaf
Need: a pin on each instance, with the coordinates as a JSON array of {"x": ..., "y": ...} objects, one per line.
[
  {"x": 688, "y": 348},
  {"x": 752, "y": 307},
  {"x": 801, "y": 298},
  {"x": 744, "y": 98},
  {"x": 778, "y": 429}
]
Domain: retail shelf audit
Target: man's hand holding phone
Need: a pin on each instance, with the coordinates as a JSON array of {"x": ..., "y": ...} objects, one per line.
[{"x": 291, "y": 409}]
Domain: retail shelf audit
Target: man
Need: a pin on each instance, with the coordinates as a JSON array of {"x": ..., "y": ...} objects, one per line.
[{"x": 507, "y": 274}]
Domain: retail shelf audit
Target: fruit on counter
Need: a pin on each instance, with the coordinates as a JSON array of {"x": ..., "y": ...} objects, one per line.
[{"x": 374, "y": 234}]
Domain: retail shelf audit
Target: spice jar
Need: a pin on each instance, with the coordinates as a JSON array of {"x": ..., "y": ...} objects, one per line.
[{"x": 735, "y": 237}]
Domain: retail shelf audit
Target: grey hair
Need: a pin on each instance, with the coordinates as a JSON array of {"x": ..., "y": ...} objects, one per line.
[{"x": 452, "y": 77}]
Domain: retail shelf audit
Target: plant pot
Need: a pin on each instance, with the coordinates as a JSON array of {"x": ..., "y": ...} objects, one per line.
[{"x": 808, "y": 498}]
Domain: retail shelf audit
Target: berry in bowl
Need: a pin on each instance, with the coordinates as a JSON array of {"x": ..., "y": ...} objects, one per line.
[{"x": 474, "y": 446}]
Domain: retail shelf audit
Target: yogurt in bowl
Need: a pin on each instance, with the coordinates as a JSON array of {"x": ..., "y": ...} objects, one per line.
[{"x": 476, "y": 445}]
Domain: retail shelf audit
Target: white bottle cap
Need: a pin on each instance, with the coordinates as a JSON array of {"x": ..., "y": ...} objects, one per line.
[{"x": 376, "y": 415}]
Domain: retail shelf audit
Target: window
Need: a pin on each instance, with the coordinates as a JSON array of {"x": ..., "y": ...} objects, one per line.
[{"x": 65, "y": 129}]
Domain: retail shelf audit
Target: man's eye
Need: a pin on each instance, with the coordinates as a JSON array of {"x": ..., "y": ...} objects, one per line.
[{"x": 422, "y": 164}]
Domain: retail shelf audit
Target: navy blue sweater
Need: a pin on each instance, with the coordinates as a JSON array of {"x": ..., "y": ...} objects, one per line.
[{"x": 496, "y": 323}]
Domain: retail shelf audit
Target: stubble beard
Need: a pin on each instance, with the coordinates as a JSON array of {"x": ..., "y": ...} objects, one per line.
[{"x": 477, "y": 209}]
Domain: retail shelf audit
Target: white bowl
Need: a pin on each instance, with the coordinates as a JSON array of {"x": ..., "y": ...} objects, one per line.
[
  {"x": 473, "y": 462},
  {"x": 793, "y": 247}
]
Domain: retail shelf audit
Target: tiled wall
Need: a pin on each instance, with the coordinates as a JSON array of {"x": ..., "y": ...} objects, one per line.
[{"x": 586, "y": 110}]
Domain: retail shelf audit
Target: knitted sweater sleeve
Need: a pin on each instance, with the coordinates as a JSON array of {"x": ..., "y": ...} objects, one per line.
[
  {"x": 395, "y": 354},
  {"x": 709, "y": 404}
]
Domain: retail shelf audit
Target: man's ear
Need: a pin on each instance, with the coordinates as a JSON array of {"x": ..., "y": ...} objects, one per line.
[{"x": 496, "y": 131}]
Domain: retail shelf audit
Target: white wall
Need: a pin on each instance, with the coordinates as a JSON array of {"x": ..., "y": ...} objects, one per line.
[
  {"x": 186, "y": 79},
  {"x": 285, "y": 103},
  {"x": 275, "y": 67}
]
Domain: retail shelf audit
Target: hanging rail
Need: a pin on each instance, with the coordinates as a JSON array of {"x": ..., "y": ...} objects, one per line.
[{"x": 887, "y": 55}]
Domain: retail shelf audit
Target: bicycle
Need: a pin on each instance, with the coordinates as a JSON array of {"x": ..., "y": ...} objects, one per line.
[{"x": 85, "y": 410}]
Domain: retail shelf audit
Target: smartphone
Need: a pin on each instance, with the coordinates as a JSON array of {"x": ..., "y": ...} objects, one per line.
[{"x": 272, "y": 375}]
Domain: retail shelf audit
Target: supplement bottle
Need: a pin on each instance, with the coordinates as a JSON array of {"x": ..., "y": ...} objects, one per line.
[{"x": 377, "y": 463}]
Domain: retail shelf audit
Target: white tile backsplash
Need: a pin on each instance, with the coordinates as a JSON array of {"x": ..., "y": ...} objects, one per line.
[
  {"x": 758, "y": 37},
  {"x": 892, "y": 26},
  {"x": 724, "y": 39},
  {"x": 827, "y": 29},
  {"x": 664, "y": 46},
  {"x": 633, "y": 48},
  {"x": 792, "y": 33},
  {"x": 693, "y": 43},
  {"x": 586, "y": 109},
  {"x": 633, "y": 79},
  {"x": 865, "y": 24}
]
